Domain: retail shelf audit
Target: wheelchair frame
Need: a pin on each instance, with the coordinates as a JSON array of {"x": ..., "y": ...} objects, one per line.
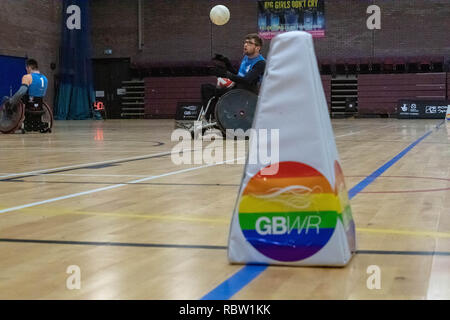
[{"x": 205, "y": 124}]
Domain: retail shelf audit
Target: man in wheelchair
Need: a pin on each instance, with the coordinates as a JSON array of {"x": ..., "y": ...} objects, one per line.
[
  {"x": 31, "y": 93},
  {"x": 247, "y": 79}
]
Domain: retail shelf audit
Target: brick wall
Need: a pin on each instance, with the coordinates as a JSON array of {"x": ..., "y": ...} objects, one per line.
[
  {"x": 413, "y": 28},
  {"x": 114, "y": 26},
  {"x": 32, "y": 29},
  {"x": 346, "y": 34},
  {"x": 179, "y": 30},
  {"x": 173, "y": 31}
]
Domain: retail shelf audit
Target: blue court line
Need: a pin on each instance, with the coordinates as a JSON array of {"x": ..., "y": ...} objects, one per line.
[
  {"x": 371, "y": 178},
  {"x": 235, "y": 283},
  {"x": 244, "y": 276}
]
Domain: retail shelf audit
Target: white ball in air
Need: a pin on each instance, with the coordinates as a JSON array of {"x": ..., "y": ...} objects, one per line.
[{"x": 219, "y": 15}]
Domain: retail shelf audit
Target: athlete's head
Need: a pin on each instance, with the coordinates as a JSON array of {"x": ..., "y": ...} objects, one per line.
[
  {"x": 252, "y": 45},
  {"x": 31, "y": 65}
]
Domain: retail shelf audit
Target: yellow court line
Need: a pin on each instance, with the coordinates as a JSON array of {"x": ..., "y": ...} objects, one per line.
[
  {"x": 406, "y": 232},
  {"x": 155, "y": 217},
  {"x": 56, "y": 212}
]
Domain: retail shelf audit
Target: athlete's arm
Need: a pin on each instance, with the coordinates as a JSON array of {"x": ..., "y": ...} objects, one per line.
[
  {"x": 251, "y": 77},
  {"x": 26, "y": 81}
]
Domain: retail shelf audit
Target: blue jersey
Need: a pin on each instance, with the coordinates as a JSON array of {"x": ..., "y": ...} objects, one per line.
[
  {"x": 247, "y": 64},
  {"x": 38, "y": 86}
]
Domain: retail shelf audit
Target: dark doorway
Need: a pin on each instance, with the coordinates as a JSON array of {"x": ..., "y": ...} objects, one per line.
[
  {"x": 12, "y": 71},
  {"x": 108, "y": 77}
]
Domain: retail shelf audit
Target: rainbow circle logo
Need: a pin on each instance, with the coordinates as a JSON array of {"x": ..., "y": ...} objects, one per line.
[{"x": 291, "y": 215}]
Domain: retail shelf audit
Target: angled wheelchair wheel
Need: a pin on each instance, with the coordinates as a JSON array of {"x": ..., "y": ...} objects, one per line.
[
  {"x": 47, "y": 117},
  {"x": 235, "y": 110},
  {"x": 11, "y": 119}
]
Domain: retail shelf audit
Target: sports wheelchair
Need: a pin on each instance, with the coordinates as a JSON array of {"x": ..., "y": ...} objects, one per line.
[
  {"x": 29, "y": 114},
  {"x": 232, "y": 111}
]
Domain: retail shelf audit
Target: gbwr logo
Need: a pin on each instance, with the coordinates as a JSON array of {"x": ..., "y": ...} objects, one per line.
[{"x": 284, "y": 225}]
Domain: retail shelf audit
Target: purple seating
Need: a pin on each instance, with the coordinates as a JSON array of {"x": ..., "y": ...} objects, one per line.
[{"x": 378, "y": 94}]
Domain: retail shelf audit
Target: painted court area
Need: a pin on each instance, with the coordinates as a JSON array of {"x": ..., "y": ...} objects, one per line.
[{"x": 106, "y": 197}]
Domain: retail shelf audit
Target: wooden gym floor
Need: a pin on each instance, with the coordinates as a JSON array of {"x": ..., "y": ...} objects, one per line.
[{"x": 106, "y": 197}]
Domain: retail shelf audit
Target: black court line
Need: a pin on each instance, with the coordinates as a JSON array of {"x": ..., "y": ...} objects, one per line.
[
  {"x": 96, "y": 166},
  {"x": 89, "y": 166},
  {"x": 388, "y": 141},
  {"x": 131, "y": 184},
  {"x": 156, "y": 143},
  {"x": 412, "y": 253},
  {"x": 115, "y": 244},
  {"x": 187, "y": 246}
]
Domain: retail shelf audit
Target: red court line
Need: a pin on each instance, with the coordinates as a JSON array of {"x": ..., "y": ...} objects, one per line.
[
  {"x": 406, "y": 177},
  {"x": 408, "y": 191}
]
